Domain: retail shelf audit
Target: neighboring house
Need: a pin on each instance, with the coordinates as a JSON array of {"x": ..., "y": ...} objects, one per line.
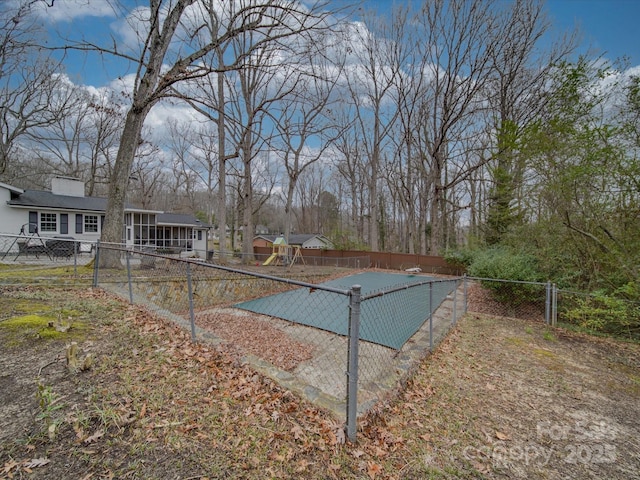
[
  {"x": 66, "y": 212},
  {"x": 302, "y": 240}
]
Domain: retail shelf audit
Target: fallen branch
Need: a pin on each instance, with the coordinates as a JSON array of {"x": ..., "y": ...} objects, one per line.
[{"x": 56, "y": 360}]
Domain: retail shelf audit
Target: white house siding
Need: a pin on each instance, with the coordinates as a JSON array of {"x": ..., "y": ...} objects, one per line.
[
  {"x": 140, "y": 227},
  {"x": 12, "y": 218},
  {"x": 200, "y": 241},
  {"x": 314, "y": 243},
  {"x": 75, "y": 223}
]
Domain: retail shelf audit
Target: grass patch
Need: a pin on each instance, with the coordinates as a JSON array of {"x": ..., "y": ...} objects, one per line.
[
  {"x": 518, "y": 341},
  {"x": 549, "y": 336},
  {"x": 27, "y": 275},
  {"x": 10, "y": 307},
  {"x": 541, "y": 352},
  {"x": 48, "y": 314},
  {"x": 46, "y": 327},
  {"x": 26, "y": 323}
]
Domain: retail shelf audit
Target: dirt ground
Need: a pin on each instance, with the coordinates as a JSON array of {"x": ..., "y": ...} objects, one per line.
[{"x": 499, "y": 399}]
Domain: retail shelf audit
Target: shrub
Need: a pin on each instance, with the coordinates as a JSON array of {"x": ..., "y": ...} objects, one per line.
[
  {"x": 500, "y": 264},
  {"x": 602, "y": 313},
  {"x": 459, "y": 258}
]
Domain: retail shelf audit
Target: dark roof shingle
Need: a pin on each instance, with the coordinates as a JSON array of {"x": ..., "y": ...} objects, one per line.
[
  {"x": 178, "y": 219},
  {"x": 42, "y": 199}
]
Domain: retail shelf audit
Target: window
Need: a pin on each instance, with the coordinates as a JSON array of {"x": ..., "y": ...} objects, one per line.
[
  {"x": 144, "y": 229},
  {"x": 48, "y": 222},
  {"x": 90, "y": 224}
]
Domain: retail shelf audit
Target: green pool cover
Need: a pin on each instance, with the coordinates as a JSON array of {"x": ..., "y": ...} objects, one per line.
[{"x": 389, "y": 319}]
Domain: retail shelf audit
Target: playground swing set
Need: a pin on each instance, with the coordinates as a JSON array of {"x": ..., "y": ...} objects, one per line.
[{"x": 284, "y": 254}]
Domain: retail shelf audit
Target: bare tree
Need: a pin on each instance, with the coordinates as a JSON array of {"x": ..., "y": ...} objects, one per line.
[
  {"x": 103, "y": 136},
  {"x": 29, "y": 83},
  {"x": 305, "y": 128},
  {"x": 208, "y": 96},
  {"x": 371, "y": 84},
  {"x": 251, "y": 100},
  {"x": 350, "y": 166},
  {"x": 186, "y": 170},
  {"x": 151, "y": 179},
  {"x": 172, "y": 49},
  {"x": 206, "y": 166},
  {"x": 406, "y": 179},
  {"x": 243, "y": 83},
  {"x": 312, "y": 190},
  {"x": 260, "y": 87},
  {"x": 63, "y": 145},
  {"x": 456, "y": 48}
]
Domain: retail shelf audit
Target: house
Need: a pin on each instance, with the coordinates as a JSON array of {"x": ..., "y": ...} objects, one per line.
[
  {"x": 66, "y": 212},
  {"x": 302, "y": 240}
]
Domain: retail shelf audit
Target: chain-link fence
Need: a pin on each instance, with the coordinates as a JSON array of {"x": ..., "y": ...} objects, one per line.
[
  {"x": 325, "y": 338},
  {"x": 38, "y": 249},
  {"x": 33, "y": 252},
  {"x": 507, "y": 298},
  {"x": 412, "y": 319},
  {"x": 310, "y": 328},
  {"x": 591, "y": 312}
]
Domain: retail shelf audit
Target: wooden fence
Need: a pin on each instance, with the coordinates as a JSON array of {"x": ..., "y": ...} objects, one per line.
[{"x": 386, "y": 260}]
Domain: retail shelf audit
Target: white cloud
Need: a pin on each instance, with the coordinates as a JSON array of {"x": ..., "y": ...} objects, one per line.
[
  {"x": 133, "y": 29},
  {"x": 68, "y": 10}
]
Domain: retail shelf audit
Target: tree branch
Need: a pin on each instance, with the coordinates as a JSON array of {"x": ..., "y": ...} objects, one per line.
[{"x": 591, "y": 236}]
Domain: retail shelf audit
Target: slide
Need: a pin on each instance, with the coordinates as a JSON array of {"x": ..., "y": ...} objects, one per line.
[{"x": 270, "y": 259}]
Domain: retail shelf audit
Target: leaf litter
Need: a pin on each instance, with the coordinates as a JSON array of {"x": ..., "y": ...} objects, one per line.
[{"x": 156, "y": 405}]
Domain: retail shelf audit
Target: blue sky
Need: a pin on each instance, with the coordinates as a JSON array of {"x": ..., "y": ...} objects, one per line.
[{"x": 609, "y": 26}]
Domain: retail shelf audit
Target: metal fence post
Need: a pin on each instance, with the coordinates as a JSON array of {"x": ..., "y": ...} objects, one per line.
[
  {"x": 466, "y": 305},
  {"x": 352, "y": 371},
  {"x": 96, "y": 264},
  {"x": 191, "y": 313},
  {"x": 554, "y": 306},
  {"x": 547, "y": 304},
  {"x": 430, "y": 317},
  {"x": 75, "y": 259},
  {"x": 455, "y": 303},
  {"x": 128, "y": 254}
]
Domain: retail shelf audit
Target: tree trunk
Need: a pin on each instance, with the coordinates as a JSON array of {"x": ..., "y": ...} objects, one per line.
[
  {"x": 112, "y": 230},
  {"x": 373, "y": 202},
  {"x": 288, "y": 209},
  {"x": 436, "y": 206},
  {"x": 247, "y": 220},
  {"x": 222, "y": 170}
]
